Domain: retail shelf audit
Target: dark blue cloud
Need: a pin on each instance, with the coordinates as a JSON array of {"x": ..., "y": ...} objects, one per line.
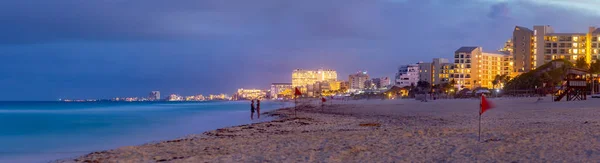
[{"x": 73, "y": 48}]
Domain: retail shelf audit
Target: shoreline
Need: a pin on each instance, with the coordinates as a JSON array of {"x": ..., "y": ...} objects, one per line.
[
  {"x": 520, "y": 130},
  {"x": 282, "y": 117}
]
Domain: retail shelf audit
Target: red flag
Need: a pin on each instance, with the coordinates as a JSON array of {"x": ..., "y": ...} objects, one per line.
[
  {"x": 323, "y": 99},
  {"x": 297, "y": 92},
  {"x": 485, "y": 105}
]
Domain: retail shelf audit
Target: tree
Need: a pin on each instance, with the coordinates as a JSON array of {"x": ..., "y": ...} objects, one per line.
[
  {"x": 546, "y": 78},
  {"x": 495, "y": 81},
  {"x": 595, "y": 67},
  {"x": 423, "y": 84},
  {"x": 581, "y": 63}
]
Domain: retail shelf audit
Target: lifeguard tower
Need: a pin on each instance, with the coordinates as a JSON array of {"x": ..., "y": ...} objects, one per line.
[{"x": 574, "y": 86}]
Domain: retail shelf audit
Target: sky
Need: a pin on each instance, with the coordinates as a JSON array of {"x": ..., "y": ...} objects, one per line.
[{"x": 102, "y": 49}]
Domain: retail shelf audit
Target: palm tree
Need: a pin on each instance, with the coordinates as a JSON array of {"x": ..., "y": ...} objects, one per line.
[{"x": 495, "y": 81}]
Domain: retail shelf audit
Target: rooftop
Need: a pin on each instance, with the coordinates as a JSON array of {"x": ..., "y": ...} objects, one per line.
[{"x": 466, "y": 49}]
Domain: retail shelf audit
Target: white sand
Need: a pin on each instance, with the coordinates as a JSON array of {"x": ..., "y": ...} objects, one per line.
[{"x": 517, "y": 130}]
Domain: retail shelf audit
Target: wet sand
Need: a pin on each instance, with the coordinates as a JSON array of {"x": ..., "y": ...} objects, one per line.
[{"x": 517, "y": 130}]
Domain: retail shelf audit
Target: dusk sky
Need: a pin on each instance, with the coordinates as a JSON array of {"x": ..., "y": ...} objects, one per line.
[{"x": 101, "y": 49}]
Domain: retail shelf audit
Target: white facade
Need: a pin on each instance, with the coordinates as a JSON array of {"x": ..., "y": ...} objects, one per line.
[{"x": 407, "y": 75}]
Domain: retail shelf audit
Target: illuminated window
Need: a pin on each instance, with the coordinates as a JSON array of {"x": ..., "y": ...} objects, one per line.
[
  {"x": 575, "y": 38},
  {"x": 575, "y": 45},
  {"x": 554, "y": 38},
  {"x": 575, "y": 51},
  {"x": 595, "y": 51},
  {"x": 574, "y": 57}
]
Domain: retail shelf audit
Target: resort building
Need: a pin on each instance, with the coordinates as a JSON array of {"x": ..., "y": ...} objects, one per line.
[
  {"x": 435, "y": 72},
  {"x": 407, "y": 75},
  {"x": 357, "y": 81},
  {"x": 438, "y": 75},
  {"x": 533, "y": 48},
  {"x": 345, "y": 85},
  {"x": 318, "y": 88},
  {"x": 335, "y": 85},
  {"x": 301, "y": 78},
  {"x": 382, "y": 82},
  {"x": 474, "y": 68},
  {"x": 154, "y": 95},
  {"x": 278, "y": 88},
  {"x": 174, "y": 97},
  {"x": 249, "y": 94},
  {"x": 425, "y": 72}
]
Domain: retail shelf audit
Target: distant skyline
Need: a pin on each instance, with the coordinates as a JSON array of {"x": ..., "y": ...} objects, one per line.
[{"x": 103, "y": 49}]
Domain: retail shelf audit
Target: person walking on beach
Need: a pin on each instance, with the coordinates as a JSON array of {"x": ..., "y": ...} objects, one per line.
[
  {"x": 258, "y": 108},
  {"x": 252, "y": 110}
]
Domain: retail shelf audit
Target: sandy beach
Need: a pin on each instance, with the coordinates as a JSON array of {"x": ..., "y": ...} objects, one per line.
[{"x": 517, "y": 130}]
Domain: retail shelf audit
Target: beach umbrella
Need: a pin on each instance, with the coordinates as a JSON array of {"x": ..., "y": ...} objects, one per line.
[{"x": 484, "y": 105}]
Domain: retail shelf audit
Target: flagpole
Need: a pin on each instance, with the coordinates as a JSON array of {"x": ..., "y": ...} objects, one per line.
[
  {"x": 479, "y": 138},
  {"x": 480, "y": 109}
]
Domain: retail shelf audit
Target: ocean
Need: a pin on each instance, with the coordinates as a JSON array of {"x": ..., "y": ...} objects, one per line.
[{"x": 47, "y": 131}]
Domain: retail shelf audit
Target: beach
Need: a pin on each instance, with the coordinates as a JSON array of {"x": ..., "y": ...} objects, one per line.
[{"x": 405, "y": 130}]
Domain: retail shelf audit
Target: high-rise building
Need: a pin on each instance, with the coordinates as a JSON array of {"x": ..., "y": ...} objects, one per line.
[
  {"x": 533, "y": 48},
  {"x": 154, "y": 95},
  {"x": 357, "y": 81},
  {"x": 277, "y": 88},
  {"x": 435, "y": 72},
  {"x": 382, "y": 82},
  {"x": 437, "y": 67},
  {"x": 407, "y": 75},
  {"x": 474, "y": 68},
  {"x": 508, "y": 47},
  {"x": 425, "y": 73},
  {"x": 301, "y": 78}
]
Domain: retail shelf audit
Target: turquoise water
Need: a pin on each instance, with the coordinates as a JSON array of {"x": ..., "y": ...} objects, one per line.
[{"x": 46, "y": 131}]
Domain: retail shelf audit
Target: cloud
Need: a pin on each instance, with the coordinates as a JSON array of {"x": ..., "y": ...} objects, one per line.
[
  {"x": 136, "y": 45},
  {"x": 499, "y": 10}
]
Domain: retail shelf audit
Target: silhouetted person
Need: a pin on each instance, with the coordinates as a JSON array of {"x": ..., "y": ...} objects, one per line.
[
  {"x": 258, "y": 108},
  {"x": 252, "y": 110}
]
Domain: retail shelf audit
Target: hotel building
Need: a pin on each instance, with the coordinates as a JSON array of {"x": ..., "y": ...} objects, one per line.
[
  {"x": 382, "y": 82},
  {"x": 407, "y": 75},
  {"x": 533, "y": 48},
  {"x": 154, "y": 95},
  {"x": 278, "y": 88},
  {"x": 357, "y": 81},
  {"x": 249, "y": 94},
  {"x": 425, "y": 72},
  {"x": 301, "y": 78},
  {"x": 474, "y": 68},
  {"x": 435, "y": 72}
]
